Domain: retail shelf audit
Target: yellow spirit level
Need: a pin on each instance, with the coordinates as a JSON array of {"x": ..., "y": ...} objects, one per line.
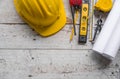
[{"x": 83, "y": 23}]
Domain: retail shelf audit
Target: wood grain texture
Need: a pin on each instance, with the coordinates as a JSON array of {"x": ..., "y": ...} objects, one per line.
[
  {"x": 55, "y": 64},
  {"x": 26, "y": 55},
  {"x": 8, "y": 13},
  {"x": 22, "y": 36}
]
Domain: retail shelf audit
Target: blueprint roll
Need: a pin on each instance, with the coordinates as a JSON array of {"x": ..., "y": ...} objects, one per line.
[
  {"x": 108, "y": 42},
  {"x": 113, "y": 44}
]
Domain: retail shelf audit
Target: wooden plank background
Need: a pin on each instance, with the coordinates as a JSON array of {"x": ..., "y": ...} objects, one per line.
[{"x": 26, "y": 55}]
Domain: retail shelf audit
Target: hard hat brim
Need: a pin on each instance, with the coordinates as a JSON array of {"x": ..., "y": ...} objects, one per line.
[{"x": 51, "y": 29}]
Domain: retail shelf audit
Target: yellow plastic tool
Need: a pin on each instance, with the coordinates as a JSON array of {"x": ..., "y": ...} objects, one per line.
[
  {"x": 104, "y": 5},
  {"x": 83, "y": 23}
]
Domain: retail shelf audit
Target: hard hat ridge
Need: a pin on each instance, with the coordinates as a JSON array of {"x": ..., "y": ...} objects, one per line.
[{"x": 45, "y": 16}]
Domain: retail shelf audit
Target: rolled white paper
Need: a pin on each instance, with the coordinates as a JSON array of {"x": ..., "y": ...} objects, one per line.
[
  {"x": 108, "y": 42},
  {"x": 114, "y": 43}
]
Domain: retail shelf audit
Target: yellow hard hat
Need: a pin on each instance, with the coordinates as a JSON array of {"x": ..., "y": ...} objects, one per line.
[{"x": 45, "y": 16}]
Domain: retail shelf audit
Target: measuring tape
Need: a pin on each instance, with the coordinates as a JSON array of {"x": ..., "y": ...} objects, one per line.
[
  {"x": 84, "y": 23},
  {"x": 104, "y": 5}
]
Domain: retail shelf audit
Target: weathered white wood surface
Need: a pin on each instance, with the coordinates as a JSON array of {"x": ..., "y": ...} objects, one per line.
[
  {"x": 55, "y": 64},
  {"x": 26, "y": 55}
]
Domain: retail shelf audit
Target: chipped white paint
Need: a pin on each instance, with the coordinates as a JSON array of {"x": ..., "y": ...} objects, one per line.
[{"x": 25, "y": 55}]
